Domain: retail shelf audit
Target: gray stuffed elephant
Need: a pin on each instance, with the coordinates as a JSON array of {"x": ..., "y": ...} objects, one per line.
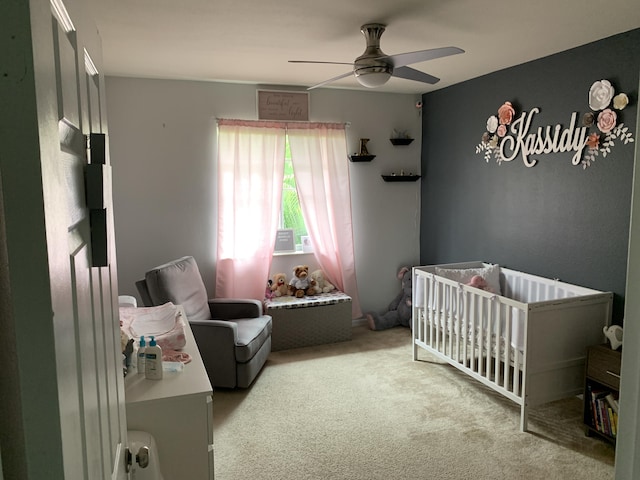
[{"x": 399, "y": 310}]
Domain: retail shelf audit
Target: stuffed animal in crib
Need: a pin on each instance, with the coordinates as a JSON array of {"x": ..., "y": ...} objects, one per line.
[
  {"x": 322, "y": 284},
  {"x": 301, "y": 284},
  {"x": 478, "y": 281},
  {"x": 279, "y": 285},
  {"x": 399, "y": 310}
]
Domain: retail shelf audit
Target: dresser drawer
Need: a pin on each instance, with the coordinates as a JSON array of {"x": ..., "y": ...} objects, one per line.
[{"x": 603, "y": 366}]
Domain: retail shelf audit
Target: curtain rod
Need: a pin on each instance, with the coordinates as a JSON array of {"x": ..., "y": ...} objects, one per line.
[{"x": 284, "y": 123}]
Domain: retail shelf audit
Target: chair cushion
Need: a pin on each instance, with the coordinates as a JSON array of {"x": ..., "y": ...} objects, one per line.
[
  {"x": 252, "y": 333},
  {"x": 179, "y": 282}
]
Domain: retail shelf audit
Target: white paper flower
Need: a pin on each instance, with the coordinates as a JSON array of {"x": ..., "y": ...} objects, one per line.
[
  {"x": 600, "y": 94},
  {"x": 492, "y": 124},
  {"x": 620, "y": 101}
]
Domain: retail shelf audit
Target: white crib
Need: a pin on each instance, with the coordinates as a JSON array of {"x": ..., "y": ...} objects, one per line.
[{"x": 527, "y": 343}]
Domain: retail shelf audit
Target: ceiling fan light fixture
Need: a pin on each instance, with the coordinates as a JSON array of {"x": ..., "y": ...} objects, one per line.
[
  {"x": 374, "y": 68},
  {"x": 372, "y": 77}
]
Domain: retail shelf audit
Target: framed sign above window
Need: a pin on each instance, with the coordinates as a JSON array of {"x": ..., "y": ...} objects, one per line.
[{"x": 283, "y": 106}]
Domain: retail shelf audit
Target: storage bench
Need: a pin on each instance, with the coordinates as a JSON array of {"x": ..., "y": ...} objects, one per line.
[{"x": 306, "y": 321}]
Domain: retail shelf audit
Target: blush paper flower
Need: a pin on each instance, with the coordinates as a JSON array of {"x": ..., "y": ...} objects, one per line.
[
  {"x": 600, "y": 94},
  {"x": 607, "y": 120},
  {"x": 502, "y": 131},
  {"x": 506, "y": 113}
]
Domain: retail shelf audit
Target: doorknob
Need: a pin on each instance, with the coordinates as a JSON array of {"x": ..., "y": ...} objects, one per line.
[{"x": 142, "y": 458}]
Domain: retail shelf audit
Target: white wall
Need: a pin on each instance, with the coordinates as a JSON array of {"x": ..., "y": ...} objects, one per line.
[{"x": 162, "y": 144}]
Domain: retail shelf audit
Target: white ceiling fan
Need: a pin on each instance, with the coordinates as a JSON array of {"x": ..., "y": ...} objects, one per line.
[{"x": 374, "y": 68}]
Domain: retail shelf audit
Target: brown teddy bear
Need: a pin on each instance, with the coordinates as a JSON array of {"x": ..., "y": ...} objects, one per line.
[
  {"x": 279, "y": 285},
  {"x": 301, "y": 284}
]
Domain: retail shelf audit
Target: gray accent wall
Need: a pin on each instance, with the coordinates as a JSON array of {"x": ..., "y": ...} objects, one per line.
[{"x": 554, "y": 219}]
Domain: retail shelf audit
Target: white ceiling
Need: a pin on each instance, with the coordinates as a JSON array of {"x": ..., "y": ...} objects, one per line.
[{"x": 251, "y": 41}]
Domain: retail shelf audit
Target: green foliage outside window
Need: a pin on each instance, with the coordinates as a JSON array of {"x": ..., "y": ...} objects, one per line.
[{"x": 291, "y": 216}]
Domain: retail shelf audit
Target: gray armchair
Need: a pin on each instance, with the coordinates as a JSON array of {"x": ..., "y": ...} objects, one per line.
[{"x": 233, "y": 336}]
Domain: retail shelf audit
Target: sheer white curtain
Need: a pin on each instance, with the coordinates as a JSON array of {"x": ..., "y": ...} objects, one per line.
[
  {"x": 319, "y": 157},
  {"x": 250, "y": 175}
]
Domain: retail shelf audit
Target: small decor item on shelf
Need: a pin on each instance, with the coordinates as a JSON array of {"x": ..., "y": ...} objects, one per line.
[
  {"x": 402, "y": 177},
  {"x": 614, "y": 335},
  {"x": 363, "y": 146},
  {"x": 400, "y": 137},
  {"x": 364, "y": 155}
]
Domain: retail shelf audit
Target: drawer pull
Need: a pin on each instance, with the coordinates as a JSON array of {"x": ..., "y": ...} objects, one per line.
[{"x": 613, "y": 374}]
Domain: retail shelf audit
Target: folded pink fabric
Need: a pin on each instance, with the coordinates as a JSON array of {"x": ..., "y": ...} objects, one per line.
[{"x": 174, "y": 356}]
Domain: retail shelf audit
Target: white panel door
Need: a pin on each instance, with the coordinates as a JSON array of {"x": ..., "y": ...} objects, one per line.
[
  {"x": 92, "y": 373},
  {"x": 61, "y": 311}
]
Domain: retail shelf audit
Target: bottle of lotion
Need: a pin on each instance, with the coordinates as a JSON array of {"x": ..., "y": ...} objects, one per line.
[
  {"x": 140, "y": 357},
  {"x": 153, "y": 360}
]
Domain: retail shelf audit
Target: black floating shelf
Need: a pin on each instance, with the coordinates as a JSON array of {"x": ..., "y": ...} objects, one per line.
[
  {"x": 400, "y": 178},
  {"x": 401, "y": 141},
  {"x": 361, "y": 158}
]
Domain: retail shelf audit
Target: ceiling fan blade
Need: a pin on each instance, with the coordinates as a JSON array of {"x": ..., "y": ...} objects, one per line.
[
  {"x": 314, "y": 61},
  {"x": 402, "y": 59},
  {"x": 413, "y": 74},
  {"x": 330, "y": 80}
]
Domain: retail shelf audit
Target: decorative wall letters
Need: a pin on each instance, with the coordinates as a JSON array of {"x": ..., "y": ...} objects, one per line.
[{"x": 505, "y": 138}]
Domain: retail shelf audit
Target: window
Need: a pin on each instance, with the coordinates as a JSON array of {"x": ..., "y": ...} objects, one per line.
[{"x": 291, "y": 213}]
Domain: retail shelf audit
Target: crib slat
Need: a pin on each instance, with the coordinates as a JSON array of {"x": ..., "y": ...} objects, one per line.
[
  {"x": 432, "y": 311},
  {"x": 449, "y": 335},
  {"x": 465, "y": 330},
  {"x": 507, "y": 346},
  {"x": 481, "y": 335},
  {"x": 489, "y": 346},
  {"x": 456, "y": 333},
  {"x": 516, "y": 372},
  {"x": 473, "y": 318},
  {"x": 427, "y": 328},
  {"x": 422, "y": 316},
  {"x": 439, "y": 316},
  {"x": 498, "y": 339}
]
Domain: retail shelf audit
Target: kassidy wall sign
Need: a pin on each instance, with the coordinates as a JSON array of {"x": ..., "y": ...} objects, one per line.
[{"x": 509, "y": 136}]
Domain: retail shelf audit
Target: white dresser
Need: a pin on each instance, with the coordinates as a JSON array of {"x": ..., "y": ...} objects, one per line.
[{"x": 178, "y": 412}]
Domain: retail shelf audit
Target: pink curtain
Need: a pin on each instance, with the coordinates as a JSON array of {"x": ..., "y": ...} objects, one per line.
[
  {"x": 319, "y": 156},
  {"x": 250, "y": 175}
]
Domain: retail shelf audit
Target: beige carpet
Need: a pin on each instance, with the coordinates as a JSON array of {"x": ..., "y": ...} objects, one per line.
[{"x": 364, "y": 410}]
